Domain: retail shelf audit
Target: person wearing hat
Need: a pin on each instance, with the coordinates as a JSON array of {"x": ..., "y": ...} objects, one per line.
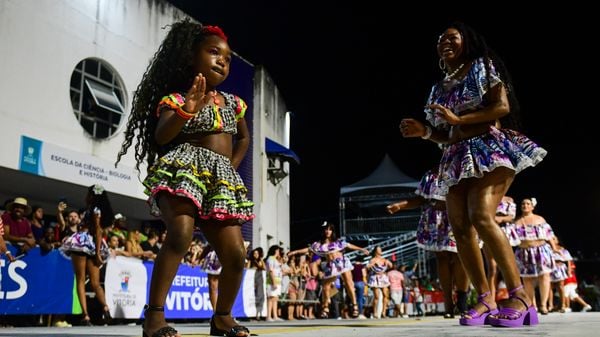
[{"x": 17, "y": 228}]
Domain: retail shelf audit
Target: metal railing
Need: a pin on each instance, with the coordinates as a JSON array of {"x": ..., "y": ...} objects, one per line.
[
  {"x": 385, "y": 224},
  {"x": 405, "y": 248}
]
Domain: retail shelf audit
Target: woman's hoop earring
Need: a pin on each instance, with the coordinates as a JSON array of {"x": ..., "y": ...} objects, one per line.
[{"x": 442, "y": 64}]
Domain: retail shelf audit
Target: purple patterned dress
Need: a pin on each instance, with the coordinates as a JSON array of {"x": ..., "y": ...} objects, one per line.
[
  {"x": 378, "y": 277},
  {"x": 333, "y": 266},
  {"x": 508, "y": 228},
  {"x": 539, "y": 260},
  {"x": 434, "y": 232},
  {"x": 561, "y": 270},
  {"x": 475, "y": 156}
]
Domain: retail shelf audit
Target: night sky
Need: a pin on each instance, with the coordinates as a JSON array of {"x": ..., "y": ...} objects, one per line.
[{"x": 350, "y": 73}]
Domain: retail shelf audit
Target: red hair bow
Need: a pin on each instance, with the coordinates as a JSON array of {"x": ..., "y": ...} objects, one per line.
[{"x": 214, "y": 30}]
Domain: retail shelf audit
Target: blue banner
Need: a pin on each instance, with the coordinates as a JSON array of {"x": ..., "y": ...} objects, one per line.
[
  {"x": 40, "y": 283},
  {"x": 30, "y": 159},
  {"x": 37, "y": 284},
  {"x": 188, "y": 296}
]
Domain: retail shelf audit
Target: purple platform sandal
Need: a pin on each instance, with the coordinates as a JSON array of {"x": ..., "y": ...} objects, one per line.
[
  {"x": 510, "y": 318},
  {"x": 477, "y": 318}
]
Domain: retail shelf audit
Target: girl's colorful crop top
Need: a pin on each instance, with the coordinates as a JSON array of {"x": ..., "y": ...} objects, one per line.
[{"x": 212, "y": 118}]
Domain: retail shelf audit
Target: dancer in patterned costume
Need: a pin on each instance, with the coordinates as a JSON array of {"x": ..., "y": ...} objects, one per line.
[
  {"x": 193, "y": 137},
  {"x": 558, "y": 276},
  {"x": 480, "y": 160},
  {"x": 434, "y": 233},
  {"x": 88, "y": 250},
  {"x": 379, "y": 281},
  {"x": 534, "y": 254},
  {"x": 331, "y": 251}
]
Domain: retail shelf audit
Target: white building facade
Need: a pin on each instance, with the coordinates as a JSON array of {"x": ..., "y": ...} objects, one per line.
[{"x": 69, "y": 69}]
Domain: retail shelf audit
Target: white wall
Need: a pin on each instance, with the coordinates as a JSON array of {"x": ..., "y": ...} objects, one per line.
[
  {"x": 272, "y": 202},
  {"x": 41, "y": 41}
]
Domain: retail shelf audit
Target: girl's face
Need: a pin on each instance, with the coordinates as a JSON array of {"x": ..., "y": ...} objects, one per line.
[
  {"x": 450, "y": 45},
  {"x": 255, "y": 254},
  {"x": 213, "y": 59},
  {"x": 328, "y": 231},
  {"x": 39, "y": 213},
  {"x": 114, "y": 242}
]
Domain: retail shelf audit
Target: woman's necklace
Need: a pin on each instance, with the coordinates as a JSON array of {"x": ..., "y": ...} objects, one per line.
[
  {"x": 452, "y": 74},
  {"x": 449, "y": 82}
]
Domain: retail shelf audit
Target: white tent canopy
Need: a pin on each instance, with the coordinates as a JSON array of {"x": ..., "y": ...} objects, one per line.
[{"x": 386, "y": 175}]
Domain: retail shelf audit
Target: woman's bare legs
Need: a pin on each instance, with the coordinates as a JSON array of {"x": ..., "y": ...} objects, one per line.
[
  {"x": 291, "y": 309},
  {"x": 94, "y": 273},
  {"x": 326, "y": 290},
  {"x": 544, "y": 284},
  {"x": 451, "y": 273},
  {"x": 349, "y": 285},
  {"x": 213, "y": 290},
  {"x": 79, "y": 264},
  {"x": 377, "y": 294},
  {"x": 461, "y": 281},
  {"x": 529, "y": 286},
  {"x": 385, "y": 293},
  {"x": 484, "y": 195},
  {"x": 466, "y": 241},
  {"x": 444, "y": 269},
  {"x": 492, "y": 270},
  {"x": 178, "y": 214}
]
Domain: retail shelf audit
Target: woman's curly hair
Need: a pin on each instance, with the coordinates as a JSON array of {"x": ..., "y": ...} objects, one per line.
[{"x": 170, "y": 70}]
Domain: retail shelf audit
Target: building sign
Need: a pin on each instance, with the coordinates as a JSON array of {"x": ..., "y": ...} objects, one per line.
[{"x": 52, "y": 161}]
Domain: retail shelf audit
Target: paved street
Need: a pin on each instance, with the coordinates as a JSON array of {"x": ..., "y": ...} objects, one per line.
[{"x": 563, "y": 325}]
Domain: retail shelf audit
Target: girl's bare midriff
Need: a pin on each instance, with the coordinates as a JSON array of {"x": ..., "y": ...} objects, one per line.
[{"x": 221, "y": 143}]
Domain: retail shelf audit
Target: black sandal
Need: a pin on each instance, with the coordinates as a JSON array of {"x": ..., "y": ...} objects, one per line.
[
  {"x": 86, "y": 322},
  {"x": 355, "y": 312},
  {"x": 325, "y": 313},
  {"x": 106, "y": 316},
  {"x": 162, "y": 332},
  {"x": 233, "y": 332}
]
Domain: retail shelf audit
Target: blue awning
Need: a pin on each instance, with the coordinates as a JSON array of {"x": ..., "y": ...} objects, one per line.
[{"x": 275, "y": 148}]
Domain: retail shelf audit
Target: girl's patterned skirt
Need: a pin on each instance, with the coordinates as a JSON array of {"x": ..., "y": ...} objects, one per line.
[{"x": 205, "y": 177}]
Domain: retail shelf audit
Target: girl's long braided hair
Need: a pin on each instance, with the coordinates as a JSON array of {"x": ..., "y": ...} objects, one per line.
[
  {"x": 475, "y": 47},
  {"x": 170, "y": 70}
]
